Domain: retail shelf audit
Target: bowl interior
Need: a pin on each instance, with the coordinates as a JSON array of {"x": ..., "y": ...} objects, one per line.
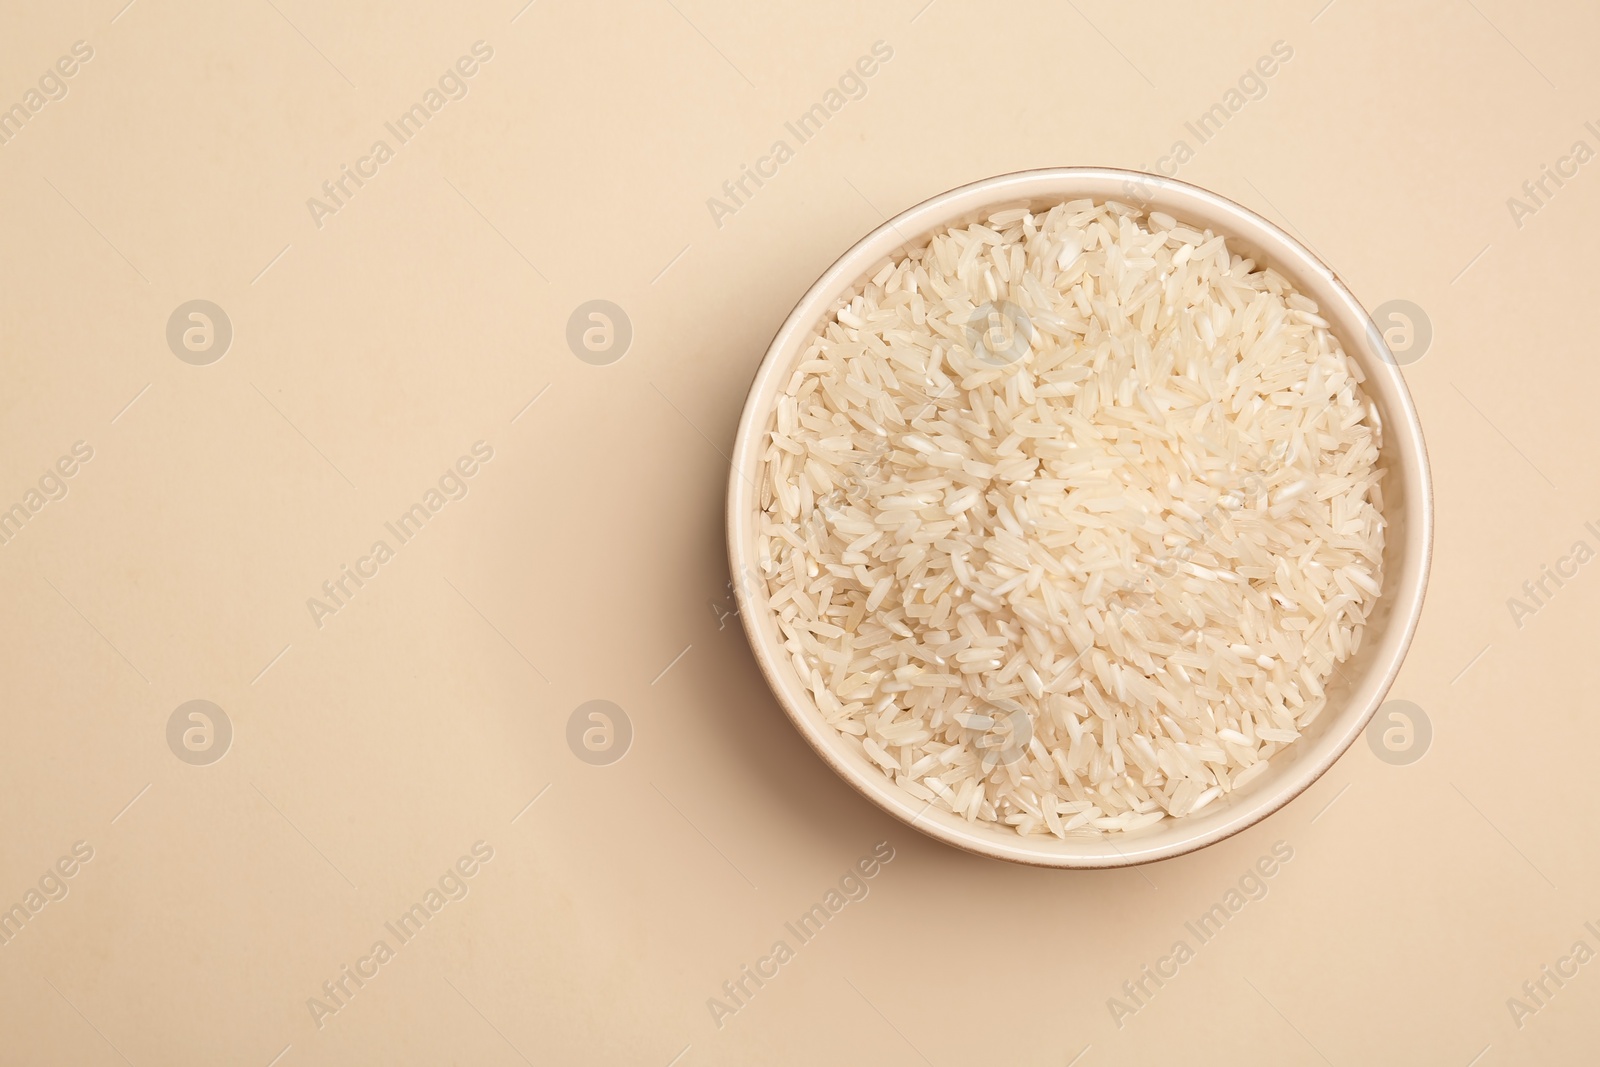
[{"x": 1358, "y": 684}]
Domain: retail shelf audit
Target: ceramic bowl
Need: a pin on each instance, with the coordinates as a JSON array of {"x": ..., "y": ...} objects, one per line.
[{"x": 1355, "y": 690}]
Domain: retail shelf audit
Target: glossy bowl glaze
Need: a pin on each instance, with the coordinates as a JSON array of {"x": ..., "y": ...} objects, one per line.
[{"x": 1359, "y": 684}]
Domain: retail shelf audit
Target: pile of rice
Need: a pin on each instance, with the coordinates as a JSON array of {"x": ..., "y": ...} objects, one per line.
[{"x": 1068, "y": 517}]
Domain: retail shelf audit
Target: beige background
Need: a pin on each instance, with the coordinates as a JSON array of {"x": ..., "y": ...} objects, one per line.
[{"x": 587, "y": 563}]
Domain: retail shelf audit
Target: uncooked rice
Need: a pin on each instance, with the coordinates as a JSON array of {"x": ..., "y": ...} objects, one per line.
[{"x": 1067, "y": 518}]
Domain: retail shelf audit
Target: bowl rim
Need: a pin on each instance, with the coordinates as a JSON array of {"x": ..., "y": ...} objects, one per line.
[{"x": 1405, "y": 592}]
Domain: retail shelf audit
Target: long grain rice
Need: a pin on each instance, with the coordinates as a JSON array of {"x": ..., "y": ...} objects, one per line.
[{"x": 1068, "y": 518}]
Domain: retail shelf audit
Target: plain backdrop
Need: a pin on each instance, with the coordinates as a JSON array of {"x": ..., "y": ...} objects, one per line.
[{"x": 424, "y": 710}]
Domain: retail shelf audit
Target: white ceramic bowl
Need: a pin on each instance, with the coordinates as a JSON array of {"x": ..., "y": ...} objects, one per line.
[{"x": 1360, "y": 683}]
